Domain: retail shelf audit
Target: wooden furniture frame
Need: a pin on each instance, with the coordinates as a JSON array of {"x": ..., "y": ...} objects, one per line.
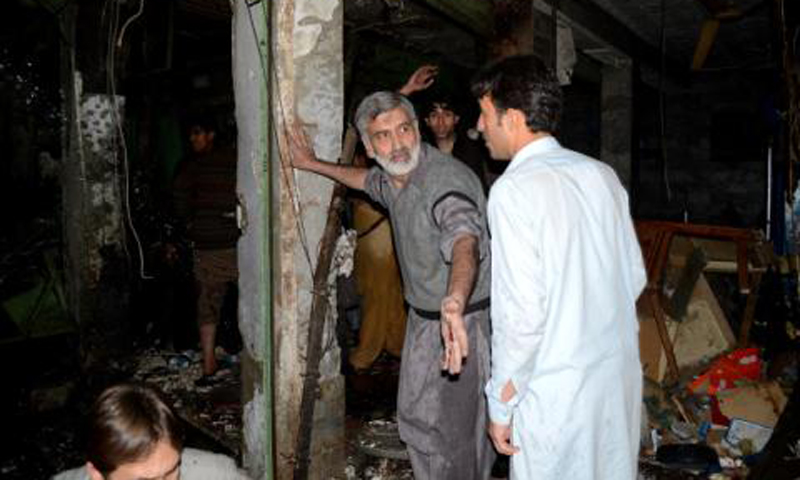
[{"x": 655, "y": 238}]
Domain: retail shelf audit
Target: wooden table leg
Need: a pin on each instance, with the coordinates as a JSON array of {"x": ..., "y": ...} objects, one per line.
[
  {"x": 663, "y": 335},
  {"x": 749, "y": 311},
  {"x": 742, "y": 267}
]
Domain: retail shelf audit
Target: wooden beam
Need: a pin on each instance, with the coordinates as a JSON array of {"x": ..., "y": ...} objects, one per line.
[{"x": 708, "y": 33}]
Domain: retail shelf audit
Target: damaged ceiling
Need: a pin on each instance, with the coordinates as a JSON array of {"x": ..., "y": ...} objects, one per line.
[
  {"x": 736, "y": 32},
  {"x": 741, "y": 41}
]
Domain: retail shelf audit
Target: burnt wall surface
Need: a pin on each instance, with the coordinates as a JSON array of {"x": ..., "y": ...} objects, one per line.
[
  {"x": 715, "y": 133},
  {"x": 580, "y": 121}
]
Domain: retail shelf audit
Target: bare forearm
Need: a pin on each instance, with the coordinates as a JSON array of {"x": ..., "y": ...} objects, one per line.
[
  {"x": 352, "y": 177},
  {"x": 464, "y": 268}
]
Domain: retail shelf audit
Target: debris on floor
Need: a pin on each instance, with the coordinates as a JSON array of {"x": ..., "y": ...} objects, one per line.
[
  {"x": 214, "y": 408},
  {"x": 713, "y": 399},
  {"x": 380, "y": 438}
]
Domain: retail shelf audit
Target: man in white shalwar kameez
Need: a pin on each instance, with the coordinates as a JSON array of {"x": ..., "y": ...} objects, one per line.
[{"x": 566, "y": 382}]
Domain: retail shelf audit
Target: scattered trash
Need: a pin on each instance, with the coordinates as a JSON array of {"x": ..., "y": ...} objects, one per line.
[
  {"x": 760, "y": 403},
  {"x": 381, "y": 438},
  {"x": 692, "y": 456},
  {"x": 212, "y": 407},
  {"x": 747, "y": 438},
  {"x": 794, "y": 450},
  {"x": 737, "y": 366},
  {"x": 683, "y": 430},
  {"x": 179, "y": 362}
]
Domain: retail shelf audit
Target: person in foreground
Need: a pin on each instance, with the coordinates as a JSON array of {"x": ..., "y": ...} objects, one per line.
[
  {"x": 437, "y": 209},
  {"x": 565, "y": 390},
  {"x": 134, "y": 435}
]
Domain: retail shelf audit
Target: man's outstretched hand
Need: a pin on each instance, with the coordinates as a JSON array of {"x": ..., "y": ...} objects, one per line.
[
  {"x": 454, "y": 334},
  {"x": 301, "y": 153},
  {"x": 421, "y": 79}
]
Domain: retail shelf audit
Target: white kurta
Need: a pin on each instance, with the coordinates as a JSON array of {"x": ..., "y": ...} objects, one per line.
[{"x": 566, "y": 272}]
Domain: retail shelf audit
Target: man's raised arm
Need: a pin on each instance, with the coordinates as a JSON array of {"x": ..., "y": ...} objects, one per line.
[{"x": 302, "y": 157}]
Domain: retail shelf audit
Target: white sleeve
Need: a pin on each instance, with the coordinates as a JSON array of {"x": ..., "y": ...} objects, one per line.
[{"x": 518, "y": 296}]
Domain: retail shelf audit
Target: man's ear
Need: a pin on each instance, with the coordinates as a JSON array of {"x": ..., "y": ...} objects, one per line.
[
  {"x": 94, "y": 474},
  {"x": 516, "y": 118},
  {"x": 456, "y": 118},
  {"x": 211, "y": 135}
]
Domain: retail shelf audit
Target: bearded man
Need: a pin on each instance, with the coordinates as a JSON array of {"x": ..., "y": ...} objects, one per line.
[{"x": 438, "y": 212}]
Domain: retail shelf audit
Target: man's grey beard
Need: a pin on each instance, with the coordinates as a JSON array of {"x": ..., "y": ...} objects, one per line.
[{"x": 400, "y": 169}]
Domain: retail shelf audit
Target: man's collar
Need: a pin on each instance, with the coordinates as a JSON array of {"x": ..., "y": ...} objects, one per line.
[{"x": 534, "y": 147}]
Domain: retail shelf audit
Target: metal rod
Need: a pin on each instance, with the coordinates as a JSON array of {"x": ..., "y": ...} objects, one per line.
[{"x": 769, "y": 193}]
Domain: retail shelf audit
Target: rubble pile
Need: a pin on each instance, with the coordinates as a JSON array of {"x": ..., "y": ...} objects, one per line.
[{"x": 713, "y": 399}]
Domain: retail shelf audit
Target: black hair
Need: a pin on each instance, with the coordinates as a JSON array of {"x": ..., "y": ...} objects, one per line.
[
  {"x": 523, "y": 83},
  {"x": 441, "y": 100},
  {"x": 204, "y": 120}
]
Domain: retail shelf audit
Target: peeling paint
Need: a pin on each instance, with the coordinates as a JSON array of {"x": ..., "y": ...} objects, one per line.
[
  {"x": 256, "y": 168},
  {"x": 308, "y": 76},
  {"x": 103, "y": 193},
  {"x": 98, "y": 135},
  {"x": 253, "y": 425},
  {"x": 310, "y": 19},
  {"x": 97, "y": 117}
]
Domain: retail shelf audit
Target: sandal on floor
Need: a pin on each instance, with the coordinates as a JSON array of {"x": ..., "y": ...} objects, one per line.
[{"x": 207, "y": 381}]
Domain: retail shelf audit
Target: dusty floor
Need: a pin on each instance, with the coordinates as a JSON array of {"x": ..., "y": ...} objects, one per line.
[
  {"x": 371, "y": 401},
  {"x": 44, "y": 402}
]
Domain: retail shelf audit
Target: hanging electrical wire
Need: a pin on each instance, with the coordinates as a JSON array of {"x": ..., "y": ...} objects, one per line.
[
  {"x": 130, "y": 20},
  {"x": 662, "y": 116},
  {"x": 115, "y": 39}
]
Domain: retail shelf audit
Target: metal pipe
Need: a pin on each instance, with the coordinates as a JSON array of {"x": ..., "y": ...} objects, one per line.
[
  {"x": 769, "y": 192},
  {"x": 267, "y": 249}
]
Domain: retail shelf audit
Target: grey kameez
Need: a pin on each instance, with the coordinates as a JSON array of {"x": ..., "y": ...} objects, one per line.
[{"x": 441, "y": 418}]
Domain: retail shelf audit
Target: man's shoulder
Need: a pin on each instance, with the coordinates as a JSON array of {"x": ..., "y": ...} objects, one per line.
[
  {"x": 201, "y": 464},
  {"x": 442, "y": 167},
  {"x": 74, "y": 474}
]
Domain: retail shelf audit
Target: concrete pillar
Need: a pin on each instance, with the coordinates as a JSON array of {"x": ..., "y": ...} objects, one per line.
[
  {"x": 291, "y": 65},
  {"x": 616, "y": 118},
  {"x": 93, "y": 179},
  {"x": 319, "y": 95},
  {"x": 254, "y": 187}
]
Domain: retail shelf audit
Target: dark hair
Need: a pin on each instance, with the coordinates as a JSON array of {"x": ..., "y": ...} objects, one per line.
[
  {"x": 523, "y": 83},
  {"x": 204, "y": 120},
  {"x": 127, "y": 422},
  {"x": 444, "y": 101}
]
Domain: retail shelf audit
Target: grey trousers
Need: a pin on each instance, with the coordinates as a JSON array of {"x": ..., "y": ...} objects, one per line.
[{"x": 441, "y": 418}]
